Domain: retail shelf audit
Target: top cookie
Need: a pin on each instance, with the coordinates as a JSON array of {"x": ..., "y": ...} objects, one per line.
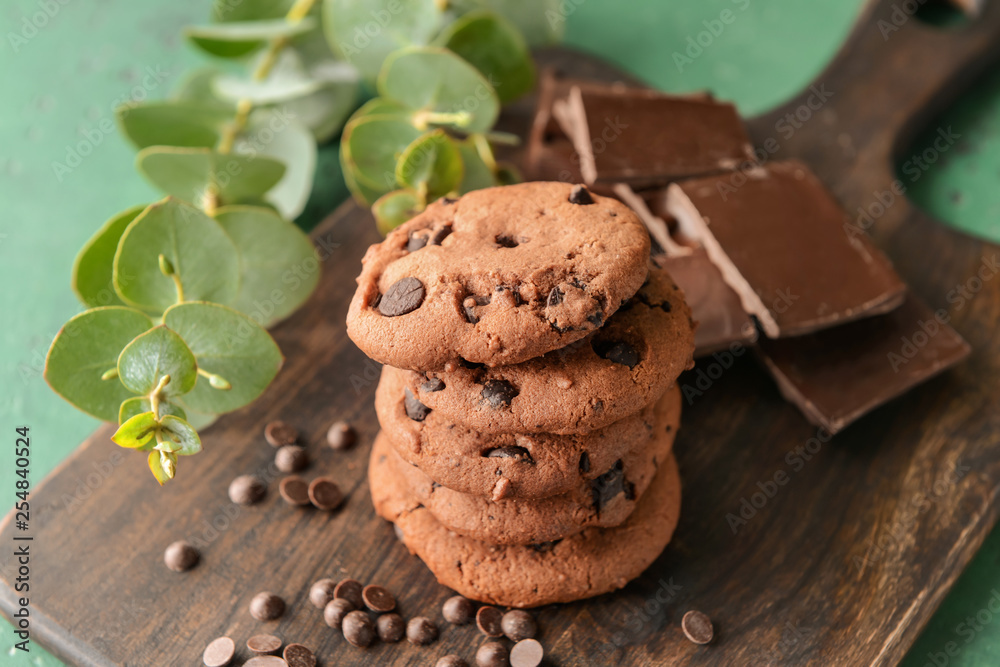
[{"x": 497, "y": 277}]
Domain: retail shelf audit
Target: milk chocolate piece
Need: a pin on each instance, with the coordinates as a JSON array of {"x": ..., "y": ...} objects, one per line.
[
  {"x": 646, "y": 138},
  {"x": 785, "y": 246},
  {"x": 839, "y": 374}
]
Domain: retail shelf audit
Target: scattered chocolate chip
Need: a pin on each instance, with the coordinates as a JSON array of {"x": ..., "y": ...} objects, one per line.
[
  {"x": 432, "y": 385},
  {"x": 580, "y": 195},
  {"x": 266, "y": 606},
  {"x": 291, "y": 458},
  {"x": 416, "y": 242},
  {"x": 341, "y": 436},
  {"x": 492, "y": 654},
  {"x": 325, "y": 494},
  {"x": 451, "y": 661},
  {"x": 518, "y": 624},
  {"x": 470, "y": 304},
  {"x": 335, "y": 611},
  {"x": 421, "y": 631},
  {"x": 359, "y": 629},
  {"x": 247, "y": 490},
  {"x": 458, "y": 610},
  {"x": 526, "y": 653},
  {"x": 415, "y": 410},
  {"x": 604, "y": 488},
  {"x": 584, "y": 462},
  {"x": 618, "y": 352},
  {"x": 404, "y": 296},
  {"x": 350, "y": 590},
  {"x": 505, "y": 241},
  {"x": 265, "y": 661},
  {"x": 279, "y": 434},
  {"x": 219, "y": 653},
  {"x": 499, "y": 393},
  {"x": 440, "y": 235},
  {"x": 321, "y": 592},
  {"x": 294, "y": 490},
  {"x": 390, "y": 627},
  {"x": 510, "y": 452},
  {"x": 490, "y": 621},
  {"x": 181, "y": 556},
  {"x": 377, "y": 598},
  {"x": 555, "y": 297},
  {"x": 297, "y": 655},
  {"x": 264, "y": 644},
  {"x": 697, "y": 627}
]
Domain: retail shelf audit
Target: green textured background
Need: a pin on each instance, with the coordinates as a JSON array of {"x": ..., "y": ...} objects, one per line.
[{"x": 63, "y": 82}]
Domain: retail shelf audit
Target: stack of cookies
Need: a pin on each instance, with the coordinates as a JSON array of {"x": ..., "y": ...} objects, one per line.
[{"x": 527, "y": 403}]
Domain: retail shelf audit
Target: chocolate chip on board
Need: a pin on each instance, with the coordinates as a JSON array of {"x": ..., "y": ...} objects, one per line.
[
  {"x": 266, "y": 606},
  {"x": 265, "y": 661},
  {"x": 264, "y": 644},
  {"x": 219, "y": 653},
  {"x": 335, "y": 611},
  {"x": 451, "y": 661},
  {"x": 526, "y": 653},
  {"x": 499, "y": 393},
  {"x": 341, "y": 436},
  {"x": 297, "y": 655},
  {"x": 359, "y": 629},
  {"x": 421, "y": 631},
  {"x": 325, "y": 494},
  {"x": 377, "y": 598},
  {"x": 518, "y": 624},
  {"x": 279, "y": 434},
  {"x": 291, "y": 458},
  {"x": 321, "y": 592},
  {"x": 350, "y": 590},
  {"x": 247, "y": 490},
  {"x": 492, "y": 654},
  {"x": 458, "y": 610},
  {"x": 294, "y": 490},
  {"x": 697, "y": 627},
  {"x": 403, "y": 296},
  {"x": 181, "y": 556},
  {"x": 391, "y": 627},
  {"x": 490, "y": 621}
]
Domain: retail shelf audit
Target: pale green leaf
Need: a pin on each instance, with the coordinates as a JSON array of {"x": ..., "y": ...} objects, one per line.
[
  {"x": 431, "y": 165},
  {"x": 476, "y": 174},
  {"x": 494, "y": 47},
  {"x": 139, "y": 404},
  {"x": 371, "y": 146},
  {"x": 137, "y": 432},
  {"x": 162, "y": 465},
  {"x": 187, "y": 172},
  {"x": 275, "y": 134},
  {"x": 176, "y": 123},
  {"x": 153, "y": 355},
  {"x": 93, "y": 268},
  {"x": 393, "y": 209},
  {"x": 239, "y": 38},
  {"x": 182, "y": 434},
  {"x": 541, "y": 22}
]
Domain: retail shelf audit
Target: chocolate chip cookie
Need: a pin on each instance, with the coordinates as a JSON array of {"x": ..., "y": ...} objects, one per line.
[
  {"x": 587, "y": 385},
  {"x": 595, "y": 561},
  {"x": 497, "y": 277},
  {"x": 535, "y": 465},
  {"x": 604, "y": 500}
]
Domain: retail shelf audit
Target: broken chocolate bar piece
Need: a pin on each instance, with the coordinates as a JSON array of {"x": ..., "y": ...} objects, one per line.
[
  {"x": 837, "y": 375},
  {"x": 784, "y": 245},
  {"x": 645, "y": 138}
]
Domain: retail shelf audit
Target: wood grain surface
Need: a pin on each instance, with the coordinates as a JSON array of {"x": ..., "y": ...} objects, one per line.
[{"x": 844, "y": 548}]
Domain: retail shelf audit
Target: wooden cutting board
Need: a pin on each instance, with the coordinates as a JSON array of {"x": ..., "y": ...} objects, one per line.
[{"x": 842, "y": 564}]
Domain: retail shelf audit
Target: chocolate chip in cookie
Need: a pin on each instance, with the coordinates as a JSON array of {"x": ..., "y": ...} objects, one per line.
[
  {"x": 472, "y": 305},
  {"x": 618, "y": 352},
  {"x": 610, "y": 484},
  {"x": 580, "y": 195},
  {"x": 499, "y": 393},
  {"x": 432, "y": 385},
  {"x": 403, "y": 296},
  {"x": 415, "y": 410},
  {"x": 511, "y": 452}
]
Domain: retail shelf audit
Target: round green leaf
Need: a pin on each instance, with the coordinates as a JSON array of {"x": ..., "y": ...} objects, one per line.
[
  {"x": 494, "y": 47},
  {"x": 541, "y": 22},
  {"x": 476, "y": 173},
  {"x": 177, "y": 123},
  {"x": 154, "y": 354},
  {"x": 362, "y": 193},
  {"x": 93, "y": 268},
  {"x": 364, "y": 32},
  {"x": 182, "y": 434},
  {"x": 380, "y": 106},
  {"x": 436, "y": 80},
  {"x": 238, "y": 38},
  {"x": 187, "y": 172},
  {"x": 371, "y": 146},
  {"x": 393, "y": 209},
  {"x": 204, "y": 258},
  {"x": 134, "y": 406},
  {"x": 227, "y": 343},
  {"x": 286, "y": 79},
  {"x": 279, "y": 267},
  {"x": 84, "y": 349},
  {"x": 198, "y": 420},
  {"x": 275, "y": 134},
  {"x": 431, "y": 164},
  {"x": 326, "y": 110},
  {"x": 137, "y": 432}
]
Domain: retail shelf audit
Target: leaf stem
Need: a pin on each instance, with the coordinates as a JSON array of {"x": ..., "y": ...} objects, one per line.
[
  {"x": 485, "y": 151},
  {"x": 180, "y": 288},
  {"x": 154, "y": 400},
  {"x": 298, "y": 12}
]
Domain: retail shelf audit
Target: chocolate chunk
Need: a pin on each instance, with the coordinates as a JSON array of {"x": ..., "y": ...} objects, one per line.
[
  {"x": 505, "y": 241},
  {"x": 490, "y": 621},
  {"x": 492, "y": 654},
  {"x": 359, "y": 629},
  {"x": 264, "y": 644},
  {"x": 279, "y": 434},
  {"x": 498, "y": 393},
  {"x": 518, "y": 624},
  {"x": 350, "y": 590},
  {"x": 458, "y": 610},
  {"x": 297, "y": 655},
  {"x": 697, "y": 627},
  {"x": 266, "y": 606},
  {"x": 294, "y": 490},
  {"x": 432, "y": 385},
  {"x": 440, "y": 235},
  {"x": 181, "y": 556},
  {"x": 836, "y": 376},
  {"x": 510, "y": 452},
  {"x": 580, "y": 195},
  {"x": 416, "y": 242},
  {"x": 470, "y": 306},
  {"x": 597, "y": 318},
  {"x": 335, "y": 611},
  {"x": 421, "y": 631},
  {"x": 324, "y": 494},
  {"x": 377, "y": 598},
  {"x": 618, "y": 352},
  {"x": 291, "y": 458},
  {"x": 555, "y": 297},
  {"x": 404, "y": 296},
  {"x": 780, "y": 242},
  {"x": 604, "y": 488},
  {"x": 584, "y": 462},
  {"x": 219, "y": 653},
  {"x": 247, "y": 490},
  {"x": 451, "y": 661},
  {"x": 390, "y": 627},
  {"x": 341, "y": 435},
  {"x": 470, "y": 364},
  {"x": 415, "y": 410},
  {"x": 526, "y": 653}
]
